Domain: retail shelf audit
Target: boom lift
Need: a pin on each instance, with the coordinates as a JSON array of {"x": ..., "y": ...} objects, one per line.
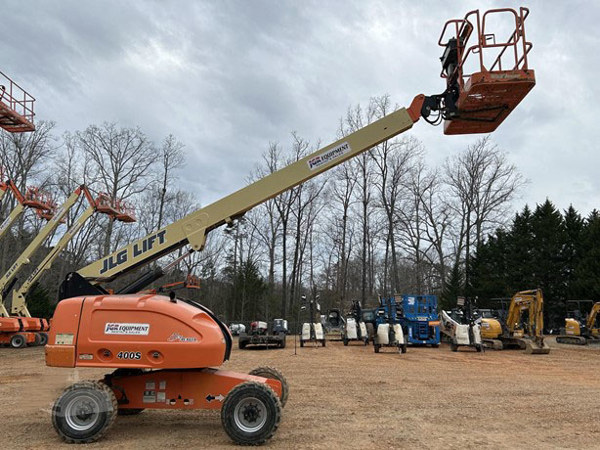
[
  {"x": 517, "y": 331},
  {"x": 33, "y": 326},
  {"x": 42, "y": 203},
  {"x": 580, "y": 329},
  {"x": 100, "y": 205},
  {"x": 130, "y": 332}
]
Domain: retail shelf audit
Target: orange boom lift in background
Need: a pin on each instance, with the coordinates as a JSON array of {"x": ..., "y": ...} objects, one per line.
[{"x": 166, "y": 349}]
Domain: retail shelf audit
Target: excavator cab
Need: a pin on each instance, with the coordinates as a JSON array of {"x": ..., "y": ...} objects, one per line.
[{"x": 486, "y": 70}]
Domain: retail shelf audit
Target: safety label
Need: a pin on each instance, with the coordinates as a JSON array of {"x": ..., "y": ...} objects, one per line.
[
  {"x": 149, "y": 397},
  {"x": 64, "y": 339},
  {"x": 127, "y": 328},
  {"x": 329, "y": 155}
]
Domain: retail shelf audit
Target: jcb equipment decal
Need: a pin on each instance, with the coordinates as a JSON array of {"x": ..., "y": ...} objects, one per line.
[
  {"x": 139, "y": 248},
  {"x": 329, "y": 155}
]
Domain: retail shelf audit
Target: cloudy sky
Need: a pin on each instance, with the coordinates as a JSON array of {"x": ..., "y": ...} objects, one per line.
[{"x": 228, "y": 77}]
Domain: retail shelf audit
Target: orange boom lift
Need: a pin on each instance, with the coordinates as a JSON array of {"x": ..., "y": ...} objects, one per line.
[{"x": 166, "y": 350}]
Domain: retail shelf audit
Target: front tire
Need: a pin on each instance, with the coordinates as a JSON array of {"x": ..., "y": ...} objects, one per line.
[
  {"x": 84, "y": 412},
  {"x": 251, "y": 413},
  {"x": 18, "y": 341}
]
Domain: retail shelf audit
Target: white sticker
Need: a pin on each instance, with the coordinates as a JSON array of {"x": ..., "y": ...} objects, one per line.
[
  {"x": 150, "y": 385},
  {"x": 149, "y": 397},
  {"x": 162, "y": 385},
  {"x": 161, "y": 397},
  {"x": 127, "y": 328},
  {"x": 329, "y": 155},
  {"x": 64, "y": 339}
]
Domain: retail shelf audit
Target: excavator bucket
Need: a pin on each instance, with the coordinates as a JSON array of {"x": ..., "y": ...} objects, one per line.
[
  {"x": 487, "y": 76},
  {"x": 16, "y": 107},
  {"x": 536, "y": 348}
]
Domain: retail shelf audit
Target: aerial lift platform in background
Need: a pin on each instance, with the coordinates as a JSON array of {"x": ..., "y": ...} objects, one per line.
[
  {"x": 101, "y": 205},
  {"x": 33, "y": 329},
  {"x": 39, "y": 201},
  {"x": 130, "y": 333},
  {"x": 16, "y": 107}
]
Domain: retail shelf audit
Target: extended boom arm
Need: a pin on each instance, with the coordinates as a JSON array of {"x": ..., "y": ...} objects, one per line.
[{"x": 193, "y": 228}]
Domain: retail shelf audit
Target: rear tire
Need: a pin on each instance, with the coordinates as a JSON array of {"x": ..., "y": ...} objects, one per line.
[
  {"x": 251, "y": 413},
  {"x": 84, "y": 412},
  {"x": 274, "y": 374},
  {"x": 36, "y": 340},
  {"x": 43, "y": 338},
  {"x": 18, "y": 341}
]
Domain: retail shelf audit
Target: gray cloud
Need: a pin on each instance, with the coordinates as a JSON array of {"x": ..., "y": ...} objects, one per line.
[{"x": 228, "y": 77}]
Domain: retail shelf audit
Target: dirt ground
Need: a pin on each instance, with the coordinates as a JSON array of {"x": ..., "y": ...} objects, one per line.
[{"x": 349, "y": 397}]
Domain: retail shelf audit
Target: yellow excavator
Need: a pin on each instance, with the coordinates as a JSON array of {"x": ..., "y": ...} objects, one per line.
[
  {"x": 522, "y": 327},
  {"x": 579, "y": 329}
]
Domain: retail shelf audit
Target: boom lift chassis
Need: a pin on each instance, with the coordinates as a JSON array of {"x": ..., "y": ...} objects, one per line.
[{"x": 179, "y": 341}]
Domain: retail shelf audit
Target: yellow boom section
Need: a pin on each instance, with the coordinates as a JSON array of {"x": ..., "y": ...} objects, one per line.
[{"x": 193, "y": 228}]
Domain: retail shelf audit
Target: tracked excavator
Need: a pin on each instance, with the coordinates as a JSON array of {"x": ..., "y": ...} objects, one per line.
[
  {"x": 164, "y": 351},
  {"x": 523, "y": 326},
  {"x": 580, "y": 329}
]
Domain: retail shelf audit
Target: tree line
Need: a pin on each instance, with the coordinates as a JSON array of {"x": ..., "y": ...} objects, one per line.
[
  {"x": 382, "y": 223},
  {"x": 544, "y": 248}
]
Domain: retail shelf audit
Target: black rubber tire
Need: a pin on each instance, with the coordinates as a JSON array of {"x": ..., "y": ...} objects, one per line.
[
  {"x": 274, "y": 374},
  {"x": 479, "y": 348},
  {"x": 345, "y": 342},
  {"x": 453, "y": 347},
  {"x": 404, "y": 347},
  {"x": 18, "y": 340},
  {"x": 323, "y": 342},
  {"x": 272, "y": 408},
  {"x": 376, "y": 347},
  {"x": 36, "y": 340},
  {"x": 241, "y": 345},
  {"x": 301, "y": 343},
  {"x": 107, "y": 405},
  {"x": 43, "y": 338},
  {"x": 282, "y": 343}
]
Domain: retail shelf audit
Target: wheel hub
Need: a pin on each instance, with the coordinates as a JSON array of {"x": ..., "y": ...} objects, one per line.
[
  {"x": 250, "y": 414},
  {"x": 82, "y": 412}
]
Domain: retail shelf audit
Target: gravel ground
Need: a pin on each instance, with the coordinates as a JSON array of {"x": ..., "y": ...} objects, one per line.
[{"x": 349, "y": 397}]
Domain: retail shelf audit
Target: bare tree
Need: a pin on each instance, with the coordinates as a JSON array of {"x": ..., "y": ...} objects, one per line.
[
  {"x": 482, "y": 182},
  {"x": 123, "y": 158}
]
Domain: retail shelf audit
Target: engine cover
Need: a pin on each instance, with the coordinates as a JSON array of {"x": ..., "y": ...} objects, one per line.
[{"x": 135, "y": 331}]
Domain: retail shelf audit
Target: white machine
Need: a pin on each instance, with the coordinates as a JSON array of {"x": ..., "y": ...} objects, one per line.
[{"x": 461, "y": 331}]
